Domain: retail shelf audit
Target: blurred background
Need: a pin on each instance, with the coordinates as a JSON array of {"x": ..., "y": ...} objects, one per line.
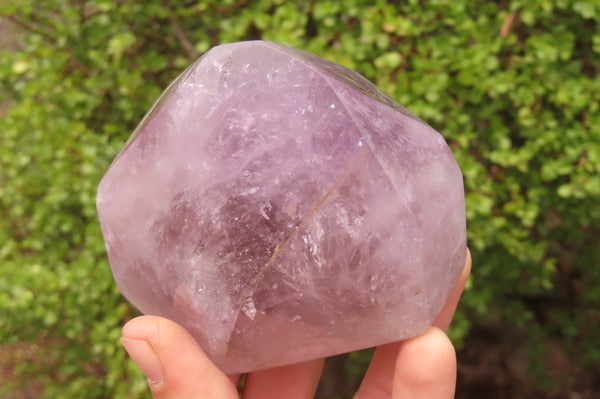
[{"x": 513, "y": 86}]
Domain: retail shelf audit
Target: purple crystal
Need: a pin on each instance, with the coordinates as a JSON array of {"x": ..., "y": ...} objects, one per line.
[{"x": 281, "y": 208}]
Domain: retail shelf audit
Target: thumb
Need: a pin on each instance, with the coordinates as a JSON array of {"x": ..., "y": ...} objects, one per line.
[{"x": 175, "y": 365}]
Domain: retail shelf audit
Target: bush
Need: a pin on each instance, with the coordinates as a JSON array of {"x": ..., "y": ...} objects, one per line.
[{"x": 512, "y": 85}]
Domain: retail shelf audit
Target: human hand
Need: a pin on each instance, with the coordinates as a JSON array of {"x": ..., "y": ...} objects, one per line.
[{"x": 177, "y": 367}]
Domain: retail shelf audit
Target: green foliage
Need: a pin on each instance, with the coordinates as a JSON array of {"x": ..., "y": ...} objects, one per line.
[{"x": 512, "y": 85}]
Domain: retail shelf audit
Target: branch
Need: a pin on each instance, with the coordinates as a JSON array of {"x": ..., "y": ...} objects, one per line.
[
  {"x": 30, "y": 29},
  {"x": 181, "y": 35},
  {"x": 507, "y": 24}
]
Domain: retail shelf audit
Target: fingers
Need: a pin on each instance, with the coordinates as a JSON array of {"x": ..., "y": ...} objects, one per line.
[
  {"x": 175, "y": 365},
  {"x": 296, "y": 381},
  {"x": 425, "y": 367},
  {"x": 445, "y": 317},
  {"x": 380, "y": 378},
  {"x": 422, "y": 367},
  {"x": 378, "y": 381}
]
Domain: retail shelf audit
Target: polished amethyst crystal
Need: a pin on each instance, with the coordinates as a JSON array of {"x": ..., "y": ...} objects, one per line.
[{"x": 280, "y": 207}]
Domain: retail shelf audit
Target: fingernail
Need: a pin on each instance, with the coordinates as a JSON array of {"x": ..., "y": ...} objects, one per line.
[{"x": 142, "y": 354}]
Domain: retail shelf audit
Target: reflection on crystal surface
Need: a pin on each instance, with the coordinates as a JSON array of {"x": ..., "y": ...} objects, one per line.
[{"x": 281, "y": 207}]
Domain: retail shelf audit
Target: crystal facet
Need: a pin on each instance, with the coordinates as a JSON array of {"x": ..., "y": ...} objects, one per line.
[{"x": 281, "y": 208}]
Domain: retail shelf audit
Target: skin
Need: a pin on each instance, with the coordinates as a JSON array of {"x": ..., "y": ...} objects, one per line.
[{"x": 176, "y": 366}]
